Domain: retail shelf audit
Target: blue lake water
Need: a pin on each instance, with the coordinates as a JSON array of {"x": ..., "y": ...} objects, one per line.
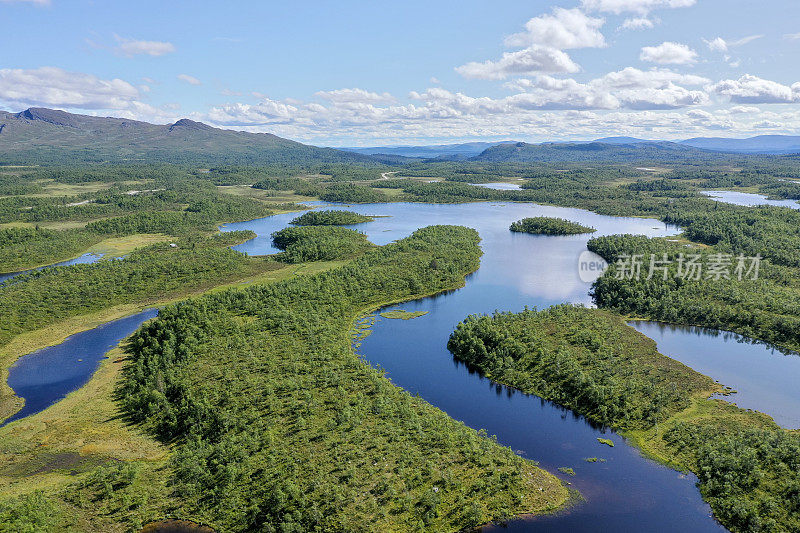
[
  {"x": 765, "y": 379},
  {"x": 748, "y": 199},
  {"x": 46, "y": 376},
  {"x": 625, "y": 493},
  {"x": 84, "y": 259}
]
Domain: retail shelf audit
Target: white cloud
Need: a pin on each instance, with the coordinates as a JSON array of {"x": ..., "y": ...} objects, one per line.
[
  {"x": 563, "y": 29},
  {"x": 637, "y": 23},
  {"x": 440, "y": 115},
  {"x": 51, "y": 86},
  {"x": 668, "y": 53},
  {"x": 532, "y": 60},
  {"x": 191, "y": 80},
  {"x": 355, "y": 96},
  {"x": 642, "y": 7},
  {"x": 131, "y": 47},
  {"x": 628, "y": 88},
  {"x": 751, "y": 89},
  {"x": 721, "y": 45},
  {"x": 717, "y": 45},
  {"x": 743, "y": 109},
  {"x": 792, "y": 36}
]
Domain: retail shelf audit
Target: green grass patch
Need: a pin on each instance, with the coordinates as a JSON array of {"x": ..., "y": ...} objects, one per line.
[{"x": 401, "y": 314}]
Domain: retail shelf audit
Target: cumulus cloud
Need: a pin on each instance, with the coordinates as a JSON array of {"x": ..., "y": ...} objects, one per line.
[
  {"x": 637, "y": 23},
  {"x": 191, "y": 80},
  {"x": 668, "y": 53},
  {"x": 535, "y": 59},
  {"x": 629, "y": 88},
  {"x": 131, "y": 47},
  {"x": 51, "y": 86},
  {"x": 563, "y": 29},
  {"x": 355, "y": 96},
  {"x": 751, "y": 89},
  {"x": 641, "y": 7}
]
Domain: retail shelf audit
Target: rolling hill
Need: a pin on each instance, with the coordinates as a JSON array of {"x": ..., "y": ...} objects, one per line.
[
  {"x": 596, "y": 152},
  {"x": 48, "y": 136}
]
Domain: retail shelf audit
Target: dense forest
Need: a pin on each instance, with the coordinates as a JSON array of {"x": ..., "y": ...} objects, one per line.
[
  {"x": 278, "y": 425},
  {"x": 549, "y": 226},
  {"x": 592, "y": 362},
  {"x": 330, "y": 217},
  {"x": 682, "y": 286},
  {"x": 224, "y": 378},
  {"x": 318, "y": 243}
]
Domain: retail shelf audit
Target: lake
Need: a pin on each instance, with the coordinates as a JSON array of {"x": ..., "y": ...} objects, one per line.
[
  {"x": 46, "y": 376},
  {"x": 748, "y": 199},
  {"x": 765, "y": 379},
  {"x": 499, "y": 186},
  {"x": 626, "y": 492}
]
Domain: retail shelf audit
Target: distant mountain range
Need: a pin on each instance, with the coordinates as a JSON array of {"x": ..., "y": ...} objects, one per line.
[
  {"x": 48, "y": 136},
  {"x": 449, "y": 151},
  {"x": 39, "y": 135},
  {"x": 763, "y": 144}
]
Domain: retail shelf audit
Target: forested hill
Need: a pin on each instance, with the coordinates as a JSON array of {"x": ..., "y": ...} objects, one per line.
[
  {"x": 666, "y": 152},
  {"x": 48, "y": 136}
]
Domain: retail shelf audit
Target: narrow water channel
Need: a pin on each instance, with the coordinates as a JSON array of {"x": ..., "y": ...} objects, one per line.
[{"x": 83, "y": 259}]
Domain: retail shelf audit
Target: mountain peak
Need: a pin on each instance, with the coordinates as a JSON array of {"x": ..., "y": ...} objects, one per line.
[
  {"x": 186, "y": 124},
  {"x": 51, "y": 116}
]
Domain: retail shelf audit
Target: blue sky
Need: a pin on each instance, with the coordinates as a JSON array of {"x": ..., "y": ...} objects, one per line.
[{"x": 371, "y": 73}]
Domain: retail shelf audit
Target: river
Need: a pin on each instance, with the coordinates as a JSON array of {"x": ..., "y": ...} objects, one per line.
[{"x": 82, "y": 260}]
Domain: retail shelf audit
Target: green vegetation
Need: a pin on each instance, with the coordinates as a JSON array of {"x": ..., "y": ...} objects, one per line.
[
  {"x": 400, "y": 314},
  {"x": 567, "y": 470},
  {"x": 591, "y": 361},
  {"x": 40, "y": 298},
  {"x": 269, "y": 408},
  {"x": 583, "y": 359},
  {"x": 330, "y": 217},
  {"x": 349, "y": 194},
  {"x": 549, "y": 226},
  {"x": 767, "y": 308},
  {"x": 180, "y": 208},
  {"x": 318, "y": 243}
]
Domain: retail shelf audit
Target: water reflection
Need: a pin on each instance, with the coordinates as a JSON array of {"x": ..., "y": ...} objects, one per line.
[{"x": 764, "y": 377}]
